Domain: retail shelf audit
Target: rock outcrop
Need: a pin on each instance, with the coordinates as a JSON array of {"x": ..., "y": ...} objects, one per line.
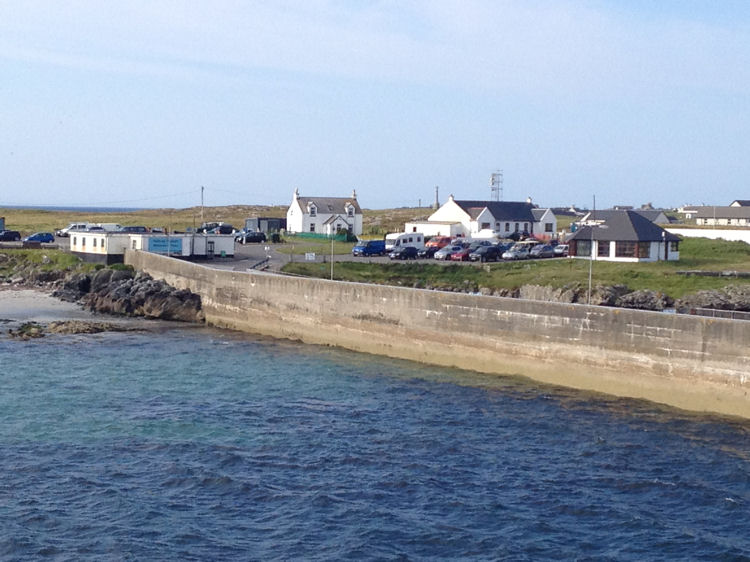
[
  {"x": 124, "y": 292},
  {"x": 732, "y": 297}
]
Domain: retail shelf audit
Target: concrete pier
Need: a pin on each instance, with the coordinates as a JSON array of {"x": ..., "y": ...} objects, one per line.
[{"x": 690, "y": 362}]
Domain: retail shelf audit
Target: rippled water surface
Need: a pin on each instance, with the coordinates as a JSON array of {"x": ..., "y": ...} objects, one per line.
[{"x": 198, "y": 444}]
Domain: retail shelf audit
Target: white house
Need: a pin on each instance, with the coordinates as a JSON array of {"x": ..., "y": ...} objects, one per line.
[
  {"x": 723, "y": 216},
  {"x": 324, "y": 215},
  {"x": 469, "y": 218},
  {"x": 625, "y": 236},
  {"x": 545, "y": 224}
]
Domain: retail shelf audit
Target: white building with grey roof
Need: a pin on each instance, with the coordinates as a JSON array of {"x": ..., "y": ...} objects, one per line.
[{"x": 324, "y": 215}]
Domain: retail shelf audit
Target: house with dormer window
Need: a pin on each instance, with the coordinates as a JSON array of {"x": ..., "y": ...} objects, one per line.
[{"x": 324, "y": 215}]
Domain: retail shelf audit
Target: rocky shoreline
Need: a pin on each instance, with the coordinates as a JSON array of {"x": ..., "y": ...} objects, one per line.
[
  {"x": 119, "y": 290},
  {"x": 116, "y": 290}
]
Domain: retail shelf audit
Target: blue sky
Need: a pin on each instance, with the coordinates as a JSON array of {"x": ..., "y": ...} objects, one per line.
[{"x": 140, "y": 103}]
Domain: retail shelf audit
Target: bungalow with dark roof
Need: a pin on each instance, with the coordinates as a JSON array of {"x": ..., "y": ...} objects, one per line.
[
  {"x": 723, "y": 216},
  {"x": 624, "y": 236}
]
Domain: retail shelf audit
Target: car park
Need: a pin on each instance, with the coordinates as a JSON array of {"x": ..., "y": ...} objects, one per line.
[
  {"x": 561, "y": 250},
  {"x": 10, "y": 235},
  {"x": 45, "y": 237},
  {"x": 249, "y": 236},
  {"x": 542, "y": 251},
  {"x": 404, "y": 253},
  {"x": 485, "y": 253}
]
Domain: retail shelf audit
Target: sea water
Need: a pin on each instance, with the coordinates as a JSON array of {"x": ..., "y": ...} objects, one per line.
[{"x": 197, "y": 444}]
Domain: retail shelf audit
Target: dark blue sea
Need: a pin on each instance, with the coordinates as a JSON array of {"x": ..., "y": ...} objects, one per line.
[{"x": 196, "y": 444}]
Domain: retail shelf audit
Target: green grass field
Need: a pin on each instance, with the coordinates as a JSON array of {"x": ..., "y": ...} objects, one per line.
[{"x": 696, "y": 254}]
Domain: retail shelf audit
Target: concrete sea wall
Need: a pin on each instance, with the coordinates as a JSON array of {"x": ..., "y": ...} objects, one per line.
[{"x": 690, "y": 362}]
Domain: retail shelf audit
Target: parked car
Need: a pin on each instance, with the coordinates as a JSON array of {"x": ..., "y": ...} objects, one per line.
[
  {"x": 404, "y": 253},
  {"x": 517, "y": 252},
  {"x": 216, "y": 228},
  {"x": 134, "y": 229},
  {"x": 10, "y": 235},
  {"x": 72, "y": 227},
  {"x": 249, "y": 236},
  {"x": 438, "y": 241},
  {"x": 462, "y": 254},
  {"x": 561, "y": 250},
  {"x": 542, "y": 251},
  {"x": 427, "y": 252},
  {"x": 45, "y": 237},
  {"x": 485, "y": 253},
  {"x": 445, "y": 252},
  {"x": 369, "y": 248}
]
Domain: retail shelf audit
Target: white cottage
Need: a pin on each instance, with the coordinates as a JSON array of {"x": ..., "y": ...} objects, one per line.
[
  {"x": 469, "y": 218},
  {"x": 324, "y": 215}
]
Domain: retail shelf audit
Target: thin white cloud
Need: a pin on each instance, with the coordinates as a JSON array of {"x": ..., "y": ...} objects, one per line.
[{"x": 566, "y": 48}]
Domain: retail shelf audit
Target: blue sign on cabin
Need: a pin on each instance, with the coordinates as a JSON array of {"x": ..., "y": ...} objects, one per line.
[{"x": 163, "y": 245}]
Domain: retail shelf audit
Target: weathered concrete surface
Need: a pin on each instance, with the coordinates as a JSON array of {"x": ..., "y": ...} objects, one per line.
[{"x": 689, "y": 362}]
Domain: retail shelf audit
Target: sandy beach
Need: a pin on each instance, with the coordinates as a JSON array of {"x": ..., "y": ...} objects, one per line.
[
  {"x": 29, "y": 305},
  {"x": 26, "y": 305}
]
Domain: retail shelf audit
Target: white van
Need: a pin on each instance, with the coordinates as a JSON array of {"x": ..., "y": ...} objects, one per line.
[{"x": 400, "y": 239}]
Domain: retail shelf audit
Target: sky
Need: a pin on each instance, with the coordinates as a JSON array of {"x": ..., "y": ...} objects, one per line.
[{"x": 141, "y": 103}]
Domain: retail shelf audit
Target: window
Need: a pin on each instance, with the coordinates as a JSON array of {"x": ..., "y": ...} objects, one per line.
[
  {"x": 413, "y": 228},
  {"x": 75, "y": 240},
  {"x": 644, "y": 249},
  {"x": 547, "y": 227},
  {"x": 485, "y": 225},
  {"x": 674, "y": 246},
  {"x": 101, "y": 243},
  {"x": 507, "y": 227},
  {"x": 134, "y": 245},
  {"x": 583, "y": 248},
  {"x": 313, "y": 211},
  {"x": 312, "y": 227},
  {"x": 516, "y": 227},
  {"x": 625, "y": 249},
  {"x": 94, "y": 242},
  {"x": 350, "y": 211},
  {"x": 83, "y": 241},
  {"x": 525, "y": 227},
  {"x": 602, "y": 249}
]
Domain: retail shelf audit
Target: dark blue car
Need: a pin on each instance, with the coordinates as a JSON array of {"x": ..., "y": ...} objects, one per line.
[{"x": 40, "y": 237}]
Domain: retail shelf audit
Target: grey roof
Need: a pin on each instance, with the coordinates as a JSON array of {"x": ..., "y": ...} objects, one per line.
[
  {"x": 501, "y": 210},
  {"x": 650, "y": 214},
  {"x": 742, "y": 202},
  {"x": 723, "y": 212},
  {"x": 625, "y": 226},
  {"x": 538, "y": 214},
  {"x": 330, "y": 204}
]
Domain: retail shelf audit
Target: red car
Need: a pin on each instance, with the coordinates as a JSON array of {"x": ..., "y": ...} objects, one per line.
[{"x": 462, "y": 254}]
